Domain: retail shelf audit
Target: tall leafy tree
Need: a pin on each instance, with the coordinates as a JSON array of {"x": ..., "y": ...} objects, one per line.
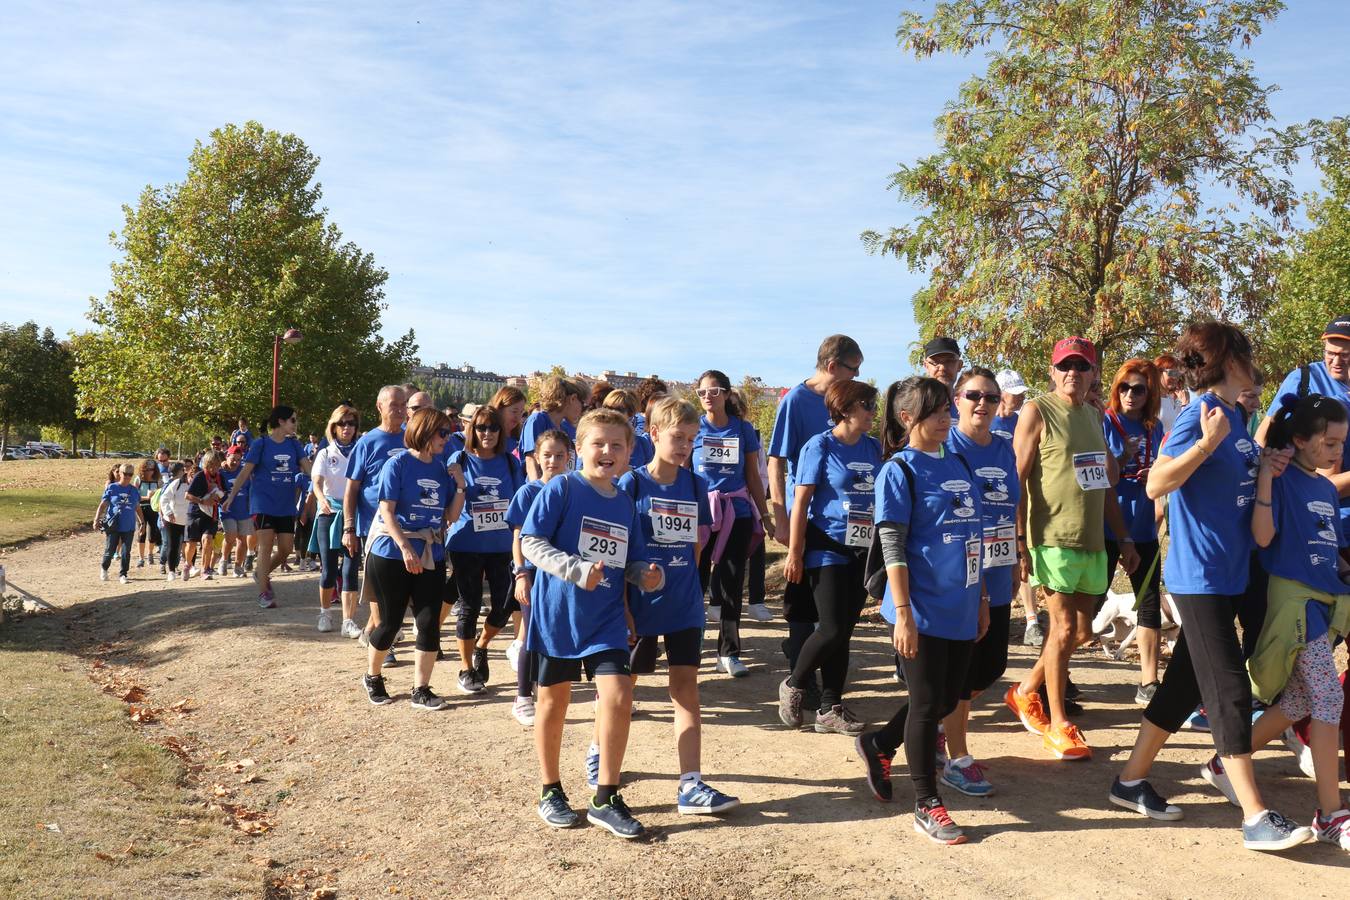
[
  {"x": 212, "y": 269},
  {"x": 1112, "y": 173},
  {"x": 30, "y": 361}
]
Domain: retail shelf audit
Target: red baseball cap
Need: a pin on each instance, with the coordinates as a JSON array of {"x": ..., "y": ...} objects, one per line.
[{"x": 1074, "y": 346}]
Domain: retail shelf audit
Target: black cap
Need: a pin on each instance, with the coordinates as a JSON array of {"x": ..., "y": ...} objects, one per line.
[
  {"x": 1338, "y": 329},
  {"x": 940, "y": 345}
]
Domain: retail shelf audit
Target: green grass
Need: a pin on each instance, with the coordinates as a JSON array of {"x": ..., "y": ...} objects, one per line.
[{"x": 26, "y": 514}]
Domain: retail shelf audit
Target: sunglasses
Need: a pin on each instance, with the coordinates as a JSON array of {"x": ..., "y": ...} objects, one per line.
[
  {"x": 854, "y": 369},
  {"x": 347, "y": 423},
  {"x": 443, "y": 433},
  {"x": 1139, "y": 389},
  {"x": 1170, "y": 373},
  {"x": 487, "y": 428},
  {"x": 709, "y": 393},
  {"x": 977, "y": 396},
  {"x": 1074, "y": 365},
  {"x": 869, "y": 406}
]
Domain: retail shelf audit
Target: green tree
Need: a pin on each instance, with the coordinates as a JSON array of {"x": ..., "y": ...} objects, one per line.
[
  {"x": 30, "y": 363},
  {"x": 1112, "y": 174},
  {"x": 215, "y": 266}
]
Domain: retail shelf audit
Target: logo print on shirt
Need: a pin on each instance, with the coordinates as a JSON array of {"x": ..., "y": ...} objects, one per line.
[
  {"x": 867, "y": 482},
  {"x": 489, "y": 485},
  {"x": 283, "y": 462},
  {"x": 431, "y": 492}
]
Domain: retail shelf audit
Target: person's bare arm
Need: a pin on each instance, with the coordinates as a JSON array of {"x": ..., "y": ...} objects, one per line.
[
  {"x": 1026, "y": 444},
  {"x": 778, "y": 498}
]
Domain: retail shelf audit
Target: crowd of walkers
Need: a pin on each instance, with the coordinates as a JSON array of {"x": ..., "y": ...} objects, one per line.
[{"x": 604, "y": 525}]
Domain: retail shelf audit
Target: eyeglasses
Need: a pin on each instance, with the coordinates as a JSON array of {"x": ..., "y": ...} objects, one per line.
[
  {"x": 977, "y": 396},
  {"x": 1342, "y": 356},
  {"x": 1074, "y": 365},
  {"x": 854, "y": 369},
  {"x": 347, "y": 423},
  {"x": 709, "y": 393},
  {"x": 443, "y": 432},
  {"x": 1140, "y": 389},
  {"x": 487, "y": 428}
]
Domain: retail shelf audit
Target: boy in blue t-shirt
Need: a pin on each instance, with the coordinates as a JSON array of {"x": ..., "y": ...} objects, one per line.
[
  {"x": 585, "y": 540},
  {"x": 118, "y": 515}
]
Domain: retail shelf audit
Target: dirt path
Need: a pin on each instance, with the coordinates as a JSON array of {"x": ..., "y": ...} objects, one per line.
[{"x": 372, "y": 802}]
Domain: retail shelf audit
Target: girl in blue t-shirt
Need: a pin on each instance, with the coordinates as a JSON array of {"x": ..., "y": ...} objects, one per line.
[
  {"x": 726, "y": 453},
  {"x": 585, "y": 540},
  {"x": 672, "y": 505},
  {"x": 480, "y": 542},
  {"x": 560, "y": 408},
  {"x": 1297, "y": 525},
  {"x": 929, "y": 519},
  {"x": 830, "y": 531},
  {"x": 406, "y": 561}
]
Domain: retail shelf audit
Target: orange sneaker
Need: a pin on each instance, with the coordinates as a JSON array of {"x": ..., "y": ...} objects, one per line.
[
  {"x": 1065, "y": 741},
  {"x": 1027, "y": 708}
]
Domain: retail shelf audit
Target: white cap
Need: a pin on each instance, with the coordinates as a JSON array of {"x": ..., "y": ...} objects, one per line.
[
  {"x": 1010, "y": 382},
  {"x": 467, "y": 410}
]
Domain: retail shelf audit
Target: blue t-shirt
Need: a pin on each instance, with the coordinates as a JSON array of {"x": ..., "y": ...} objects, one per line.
[
  {"x": 248, "y": 435},
  {"x": 640, "y": 424},
  {"x": 671, "y": 515},
  {"x": 370, "y": 455},
  {"x": 1319, "y": 382},
  {"x": 520, "y": 508},
  {"x": 995, "y": 468},
  {"x": 1210, "y": 516},
  {"x": 1308, "y": 531},
  {"x": 845, "y": 481},
  {"x": 943, "y": 549},
  {"x": 421, "y": 492},
  {"x": 311, "y": 448},
  {"x": 275, "y": 465},
  {"x": 720, "y": 457},
  {"x": 801, "y": 416},
  {"x": 1135, "y": 505},
  {"x": 122, "y": 502},
  {"x": 242, "y": 501},
  {"x": 1005, "y": 426},
  {"x": 489, "y": 485},
  {"x": 643, "y": 451},
  {"x": 539, "y": 422},
  {"x": 303, "y": 486},
  {"x": 566, "y": 620}
]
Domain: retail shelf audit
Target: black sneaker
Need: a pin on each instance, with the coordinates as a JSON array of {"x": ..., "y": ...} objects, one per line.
[
  {"x": 468, "y": 682},
  {"x": 248, "y": 563},
  {"x": 554, "y": 810},
  {"x": 374, "y": 685},
  {"x": 878, "y": 766},
  {"x": 1070, "y": 707},
  {"x": 424, "y": 698},
  {"x": 934, "y": 822},
  {"x": 811, "y": 693},
  {"x": 1072, "y": 691},
  {"x": 440, "y": 656},
  {"x": 390, "y": 660},
  {"x": 480, "y": 664},
  {"x": 1143, "y": 799},
  {"x": 616, "y": 817}
]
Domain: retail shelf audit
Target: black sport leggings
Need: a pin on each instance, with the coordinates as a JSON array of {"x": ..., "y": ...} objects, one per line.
[
  {"x": 728, "y": 583},
  {"x": 934, "y": 677},
  {"x": 1147, "y": 594},
  {"x": 173, "y": 545},
  {"x": 470, "y": 571},
  {"x": 527, "y": 664},
  {"x": 839, "y": 594},
  {"x": 394, "y": 587},
  {"x": 149, "y": 526},
  {"x": 989, "y": 657}
]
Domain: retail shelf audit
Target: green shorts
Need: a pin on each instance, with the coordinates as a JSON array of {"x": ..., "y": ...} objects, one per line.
[{"x": 1067, "y": 571}]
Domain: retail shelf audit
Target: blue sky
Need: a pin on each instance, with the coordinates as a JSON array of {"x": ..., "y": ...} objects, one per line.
[{"x": 660, "y": 187}]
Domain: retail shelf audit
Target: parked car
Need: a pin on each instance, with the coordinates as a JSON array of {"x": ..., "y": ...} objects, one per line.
[{"x": 16, "y": 453}]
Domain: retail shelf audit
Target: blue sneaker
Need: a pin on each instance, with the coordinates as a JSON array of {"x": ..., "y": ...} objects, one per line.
[
  {"x": 1274, "y": 832},
  {"x": 553, "y": 809},
  {"x": 1198, "y": 721},
  {"x": 698, "y": 799},
  {"x": 593, "y": 766},
  {"x": 966, "y": 776},
  {"x": 1143, "y": 799},
  {"x": 616, "y": 817}
]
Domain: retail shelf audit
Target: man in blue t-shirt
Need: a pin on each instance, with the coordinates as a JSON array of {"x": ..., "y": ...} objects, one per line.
[
  {"x": 801, "y": 416},
  {"x": 242, "y": 431}
]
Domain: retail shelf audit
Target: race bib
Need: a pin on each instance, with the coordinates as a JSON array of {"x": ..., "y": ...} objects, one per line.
[
  {"x": 603, "y": 542},
  {"x": 721, "y": 451},
  {"x": 973, "y": 561},
  {"x": 1090, "y": 470},
  {"x": 998, "y": 546},
  {"x": 859, "y": 533},
  {"x": 489, "y": 515},
  {"x": 674, "y": 521}
]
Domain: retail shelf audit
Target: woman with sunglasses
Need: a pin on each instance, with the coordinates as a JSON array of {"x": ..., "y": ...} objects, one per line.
[
  {"x": 831, "y": 530},
  {"x": 994, "y": 467},
  {"x": 1134, "y": 435},
  {"x": 1067, "y": 475},
  {"x": 275, "y": 459},
  {"x": 726, "y": 453},
  {"x": 480, "y": 541},
  {"x": 337, "y": 567}
]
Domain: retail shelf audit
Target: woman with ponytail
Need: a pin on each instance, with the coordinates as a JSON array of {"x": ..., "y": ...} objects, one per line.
[{"x": 928, "y": 516}]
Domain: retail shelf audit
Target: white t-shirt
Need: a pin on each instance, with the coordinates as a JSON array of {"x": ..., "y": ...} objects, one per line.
[
  {"x": 1168, "y": 408},
  {"x": 331, "y": 463}
]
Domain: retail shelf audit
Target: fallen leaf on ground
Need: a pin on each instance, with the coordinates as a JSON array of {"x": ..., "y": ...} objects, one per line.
[{"x": 103, "y": 856}]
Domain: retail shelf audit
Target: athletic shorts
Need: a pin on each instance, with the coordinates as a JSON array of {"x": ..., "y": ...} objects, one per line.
[
  {"x": 284, "y": 524},
  {"x": 199, "y": 527},
  {"x": 1068, "y": 571},
  {"x": 557, "y": 670},
  {"x": 683, "y": 648},
  {"x": 237, "y": 527}
]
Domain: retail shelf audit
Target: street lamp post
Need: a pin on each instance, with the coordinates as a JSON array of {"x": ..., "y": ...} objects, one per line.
[{"x": 292, "y": 336}]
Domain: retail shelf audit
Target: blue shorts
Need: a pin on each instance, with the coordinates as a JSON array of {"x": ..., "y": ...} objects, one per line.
[{"x": 558, "y": 670}]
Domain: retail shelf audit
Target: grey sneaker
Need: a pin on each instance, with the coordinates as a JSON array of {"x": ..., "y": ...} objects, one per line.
[
  {"x": 1144, "y": 695},
  {"x": 838, "y": 720},
  {"x": 934, "y": 823},
  {"x": 1274, "y": 832},
  {"x": 1033, "y": 636},
  {"x": 790, "y": 705},
  {"x": 468, "y": 682},
  {"x": 554, "y": 810}
]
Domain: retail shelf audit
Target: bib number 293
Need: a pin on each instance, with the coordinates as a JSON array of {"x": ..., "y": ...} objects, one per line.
[{"x": 603, "y": 542}]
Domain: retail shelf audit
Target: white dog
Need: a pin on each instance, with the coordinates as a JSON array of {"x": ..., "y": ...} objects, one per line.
[{"x": 1118, "y": 623}]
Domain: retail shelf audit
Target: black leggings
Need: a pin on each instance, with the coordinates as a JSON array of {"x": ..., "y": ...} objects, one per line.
[
  {"x": 173, "y": 545},
  {"x": 1146, "y": 593},
  {"x": 470, "y": 570},
  {"x": 840, "y": 595},
  {"x": 334, "y": 561},
  {"x": 727, "y": 581},
  {"x": 394, "y": 586},
  {"x": 934, "y": 678},
  {"x": 989, "y": 657},
  {"x": 755, "y": 573},
  {"x": 527, "y": 664},
  {"x": 1207, "y": 665},
  {"x": 149, "y": 526}
]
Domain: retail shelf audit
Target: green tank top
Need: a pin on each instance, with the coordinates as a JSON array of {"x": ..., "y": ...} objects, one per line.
[{"x": 1066, "y": 488}]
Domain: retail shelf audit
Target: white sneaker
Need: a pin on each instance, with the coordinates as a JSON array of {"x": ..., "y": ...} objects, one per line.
[
  {"x": 168, "y": 576},
  {"x": 325, "y": 621},
  {"x": 363, "y": 639},
  {"x": 124, "y": 579},
  {"x": 239, "y": 572},
  {"x": 1302, "y": 752},
  {"x": 759, "y": 612},
  {"x": 350, "y": 629},
  {"x": 102, "y": 574},
  {"x": 523, "y": 710},
  {"x": 733, "y": 666},
  {"x": 714, "y": 615},
  {"x": 513, "y": 655}
]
